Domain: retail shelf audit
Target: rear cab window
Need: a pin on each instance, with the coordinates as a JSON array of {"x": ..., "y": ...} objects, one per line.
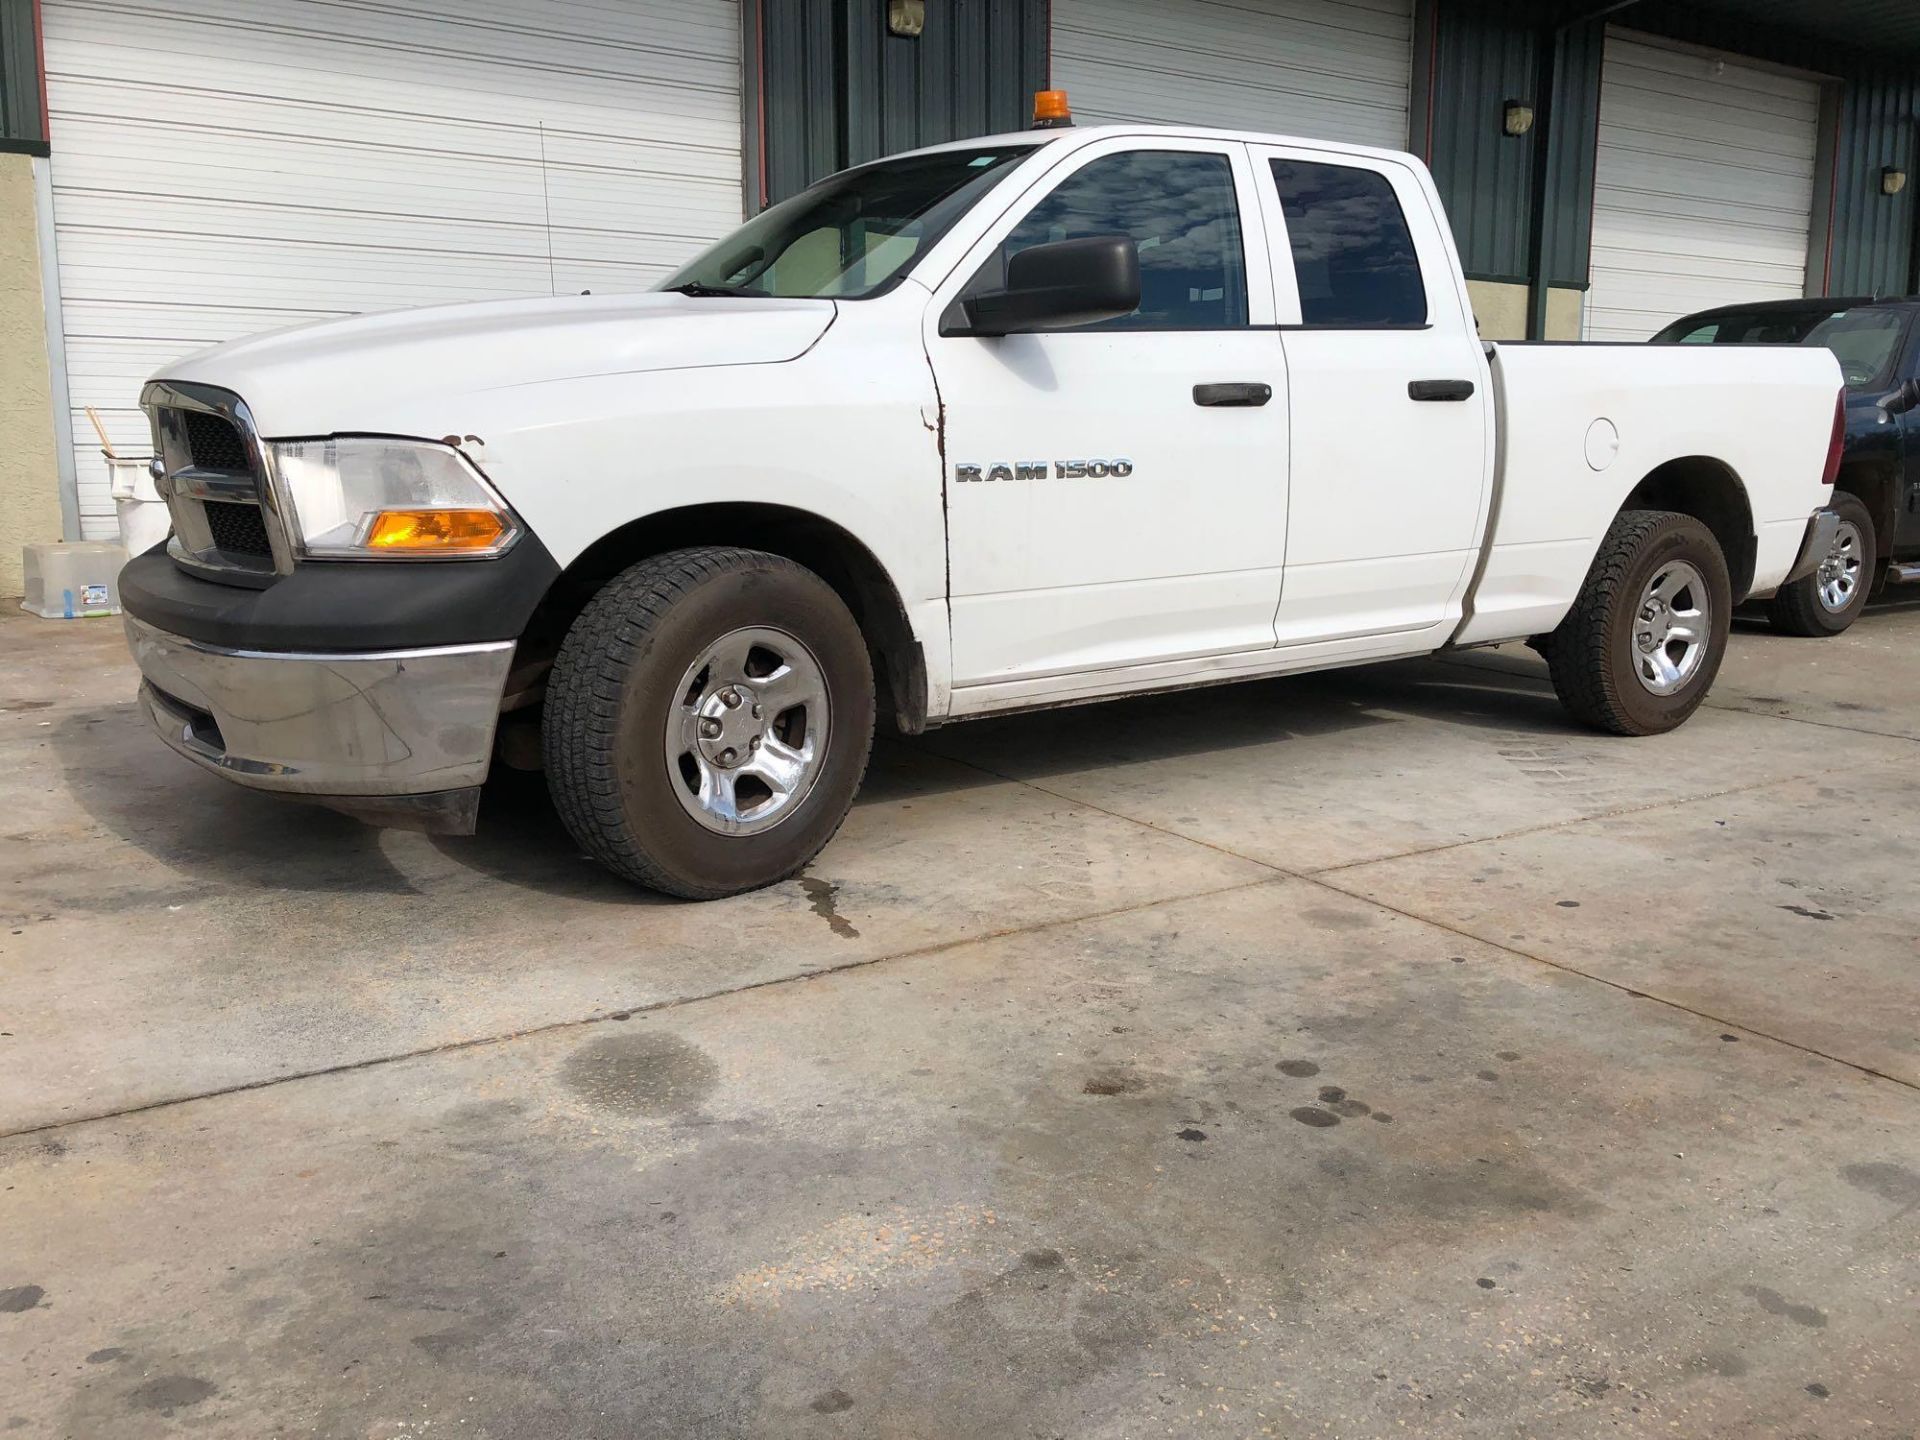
[{"x": 1353, "y": 252}]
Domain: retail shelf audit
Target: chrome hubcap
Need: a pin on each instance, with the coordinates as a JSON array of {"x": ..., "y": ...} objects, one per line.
[
  {"x": 1670, "y": 628},
  {"x": 748, "y": 731},
  {"x": 1838, "y": 579}
]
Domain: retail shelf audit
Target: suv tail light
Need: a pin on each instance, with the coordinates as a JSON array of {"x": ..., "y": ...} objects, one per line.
[{"x": 1838, "y": 442}]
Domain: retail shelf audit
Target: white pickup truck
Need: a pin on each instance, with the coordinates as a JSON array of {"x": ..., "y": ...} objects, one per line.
[{"x": 1021, "y": 421}]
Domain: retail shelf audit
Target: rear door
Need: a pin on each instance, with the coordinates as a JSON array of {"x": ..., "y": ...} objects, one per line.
[
  {"x": 1117, "y": 494},
  {"x": 1388, "y": 387}
]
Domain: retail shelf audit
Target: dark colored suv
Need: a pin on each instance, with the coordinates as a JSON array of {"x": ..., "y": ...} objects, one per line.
[{"x": 1878, "y": 493}]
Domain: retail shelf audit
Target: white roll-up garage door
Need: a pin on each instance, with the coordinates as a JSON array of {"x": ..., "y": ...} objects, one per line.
[
  {"x": 1703, "y": 186},
  {"x": 1325, "y": 69},
  {"x": 231, "y": 166}
]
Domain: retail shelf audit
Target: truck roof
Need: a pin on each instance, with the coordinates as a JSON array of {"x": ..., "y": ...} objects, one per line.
[{"x": 1085, "y": 134}]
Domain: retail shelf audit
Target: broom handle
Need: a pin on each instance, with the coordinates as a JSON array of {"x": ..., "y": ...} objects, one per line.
[{"x": 101, "y": 431}]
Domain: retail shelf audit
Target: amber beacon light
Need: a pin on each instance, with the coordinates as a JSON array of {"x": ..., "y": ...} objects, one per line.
[{"x": 1050, "y": 109}]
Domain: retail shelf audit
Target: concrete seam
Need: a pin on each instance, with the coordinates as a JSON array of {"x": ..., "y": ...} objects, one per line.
[
  {"x": 1317, "y": 878},
  {"x": 476, "y": 1042}
]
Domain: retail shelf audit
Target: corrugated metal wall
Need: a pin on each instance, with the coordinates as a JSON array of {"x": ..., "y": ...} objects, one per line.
[
  {"x": 1486, "y": 55},
  {"x": 20, "y": 117},
  {"x": 1873, "y": 234},
  {"x": 837, "y": 89},
  {"x": 1871, "y": 245}
]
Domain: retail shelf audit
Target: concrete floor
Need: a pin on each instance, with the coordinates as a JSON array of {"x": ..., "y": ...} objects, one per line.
[{"x": 1361, "y": 1054}]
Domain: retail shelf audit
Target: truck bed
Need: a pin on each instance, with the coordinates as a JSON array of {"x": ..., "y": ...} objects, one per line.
[{"x": 1581, "y": 427}]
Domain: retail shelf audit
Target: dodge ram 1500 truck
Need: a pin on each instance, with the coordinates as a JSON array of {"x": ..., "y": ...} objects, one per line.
[{"x": 1015, "y": 422}]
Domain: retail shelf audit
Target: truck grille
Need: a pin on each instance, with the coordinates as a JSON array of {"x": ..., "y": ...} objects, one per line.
[
  {"x": 238, "y": 528},
  {"x": 225, "y": 523},
  {"x": 214, "y": 444}
]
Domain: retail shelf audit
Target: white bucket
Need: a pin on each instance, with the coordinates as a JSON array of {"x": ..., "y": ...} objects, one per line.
[{"x": 144, "y": 521}]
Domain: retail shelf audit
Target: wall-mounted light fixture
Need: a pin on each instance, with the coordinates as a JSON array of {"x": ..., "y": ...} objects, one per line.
[
  {"x": 1516, "y": 119},
  {"x": 906, "y": 18},
  {"x": 1892, "y": 180}
]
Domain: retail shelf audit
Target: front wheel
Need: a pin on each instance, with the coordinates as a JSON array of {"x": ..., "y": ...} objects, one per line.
[
  {"x": 1638, "y": 651},
  {"x": 1832, "y": 597},
  {"x": 708, "y": 721}
]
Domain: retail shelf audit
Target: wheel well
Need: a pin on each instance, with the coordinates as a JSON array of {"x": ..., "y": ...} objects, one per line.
[
  {"x": 1874, "y": 485},
  {"x": 1711, "y": 493},
  {"x": 832, "y": 553}
]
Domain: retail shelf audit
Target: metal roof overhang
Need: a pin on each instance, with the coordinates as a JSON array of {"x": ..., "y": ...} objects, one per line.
[{"x": 1889, "y": 28}]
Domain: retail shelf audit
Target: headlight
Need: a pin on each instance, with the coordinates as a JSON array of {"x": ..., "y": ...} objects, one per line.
[{"x": 404, "y": 499}]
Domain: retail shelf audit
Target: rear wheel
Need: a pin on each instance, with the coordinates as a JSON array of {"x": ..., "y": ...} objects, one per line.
[
  {"x": 1832, "y": 597},
  {"x": 708, "y": 721},
  {"x": 1639, "y": 650}
]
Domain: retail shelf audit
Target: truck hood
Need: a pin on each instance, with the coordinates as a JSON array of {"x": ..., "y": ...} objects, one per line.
[{"x": 369, "y": 372}]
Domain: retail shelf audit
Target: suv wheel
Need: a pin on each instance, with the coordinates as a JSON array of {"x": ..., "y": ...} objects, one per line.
[{"x": 1832, "y": 597}]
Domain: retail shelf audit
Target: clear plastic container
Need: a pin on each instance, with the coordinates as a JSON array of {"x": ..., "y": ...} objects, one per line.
[{"x": 72, "y": 579}]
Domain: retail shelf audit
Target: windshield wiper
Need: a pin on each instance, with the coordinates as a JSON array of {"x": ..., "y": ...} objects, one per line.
[{"x": 700, "y": 288}]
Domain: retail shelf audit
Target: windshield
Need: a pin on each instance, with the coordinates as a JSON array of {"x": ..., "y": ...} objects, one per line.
[
  {"x": 850, "y": 235},
  {"x": 1865, "y": 341}
]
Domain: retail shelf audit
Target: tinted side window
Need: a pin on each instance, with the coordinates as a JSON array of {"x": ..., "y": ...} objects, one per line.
[
  {"x": 1181, "y": 211},
  {"x": 1352, "y": 251}
]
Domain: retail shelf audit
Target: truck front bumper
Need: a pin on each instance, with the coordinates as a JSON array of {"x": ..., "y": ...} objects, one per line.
[
  {"x": 1823, "y": 528},
  {"x": 403, "y": 737}
]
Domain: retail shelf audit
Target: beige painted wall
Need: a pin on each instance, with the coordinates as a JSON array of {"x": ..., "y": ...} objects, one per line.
[
  {"x": 29, "y": 480},
  {"x": 1502, "y": 310}
]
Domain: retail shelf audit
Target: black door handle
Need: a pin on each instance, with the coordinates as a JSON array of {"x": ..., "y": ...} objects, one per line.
[
  {"x": 1439, "y": 389},
  {"x": 1239, "y": 392}
]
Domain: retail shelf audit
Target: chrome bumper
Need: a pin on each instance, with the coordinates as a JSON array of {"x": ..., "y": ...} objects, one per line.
[
  {"x": 403, "y": 736},
  {"x": 1823, "y": 528}
]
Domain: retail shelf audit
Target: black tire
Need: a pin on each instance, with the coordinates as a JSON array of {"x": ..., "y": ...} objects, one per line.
[
  {"x": 612, "y": 695},
  {"x": 1592, "y": 655},
  {"x": 1799, "y": 609}
]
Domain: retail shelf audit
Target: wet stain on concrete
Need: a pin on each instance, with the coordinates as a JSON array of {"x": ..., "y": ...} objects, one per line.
[
  {"x": 1382, "y": 1117},
  {"x": 1299, "y": 1069},
  {"x": 1807, "y": 911},
  {"x": 1818, "y": 1391},
  {"x": 1338, "y": 1101},
  {"x": 167, "y": 1393},
  {"x": 1191, "y": 1135},
  {"x": 1895, "y": 1183},
  {"x": 1722, "y": 1362},
  {"x": 831, "y": 1403},
  {"x": 646, "y": 1072},
  {"x": 1568, "y": 904},
  {"x": 1488, "y": 1075},
  {"x": 1313, "y": 1116},
  {"x": 101, "y": 1357},
  {"x": 1113, "y": 1082},
  {"x": 821, "y": 894},
  {"x": 1043, "y": 1259},
  {"x": 10, "y": 705},
  {"x": 1508, "y": 1055},
  {"x": 1484, "y": 1283},
  {"x": 1774, "y": 1303},
  {"x": 19, "y": 1298}
]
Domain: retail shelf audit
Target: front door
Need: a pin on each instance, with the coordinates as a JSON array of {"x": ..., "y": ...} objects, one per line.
[
  {"x": 1389, "y": 386},
  {"x": 1117, "y": 494}
]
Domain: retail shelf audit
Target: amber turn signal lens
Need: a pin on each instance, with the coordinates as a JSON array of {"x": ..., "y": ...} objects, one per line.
[{"x": 436, "y": 530}]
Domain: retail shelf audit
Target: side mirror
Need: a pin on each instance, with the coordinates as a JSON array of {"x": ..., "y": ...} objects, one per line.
[
  {"x": 1903, "y": 399},
  {"x": 1057, "y": 287}
]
